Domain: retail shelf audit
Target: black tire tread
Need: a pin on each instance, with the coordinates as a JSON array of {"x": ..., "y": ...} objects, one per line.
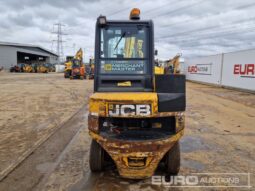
[
  {"x": 96, "y": 157},
  {"x": 173, "y": 160}
]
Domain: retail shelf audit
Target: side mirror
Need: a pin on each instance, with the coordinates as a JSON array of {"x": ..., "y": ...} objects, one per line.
[{"x": 156, "y": 52}]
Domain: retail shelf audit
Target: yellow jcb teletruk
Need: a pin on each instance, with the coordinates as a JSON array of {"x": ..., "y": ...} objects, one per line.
[{"x": 136, "y": 118}]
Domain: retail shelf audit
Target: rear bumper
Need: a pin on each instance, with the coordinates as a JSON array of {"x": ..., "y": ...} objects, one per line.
[{"x": 136, "y": 159}]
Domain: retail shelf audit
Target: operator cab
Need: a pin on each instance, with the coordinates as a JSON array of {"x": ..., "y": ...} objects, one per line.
[
  {"x": 124, "y": 55},
  {"x": 76, "y": 63},
  {"x": 136, "y": 123}
]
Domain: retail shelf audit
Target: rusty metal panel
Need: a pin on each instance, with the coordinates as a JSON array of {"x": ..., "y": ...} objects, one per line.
[
  {"x": 152, "y": 150},
  {"x": 93, "y": 123}
]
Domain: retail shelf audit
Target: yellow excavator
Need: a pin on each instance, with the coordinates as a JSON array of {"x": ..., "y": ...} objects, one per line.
[
  {"x": 76, "y": 60},
  {"x": 172, "y": 66},
  {"x": 136, "y": 118},
  {"x": 78, "y": 68}
]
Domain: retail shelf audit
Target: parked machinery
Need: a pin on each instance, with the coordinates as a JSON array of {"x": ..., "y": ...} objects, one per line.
[
  {"x": 51, "y": 67},
  {"x": 74, "y": 66},
  {"x": 173, "y": 65},
  {"x": 42, "y": 68},
  {"x": 17, "y": 68},
  {"x": 68, "y": 69},
  {"x": 78, "y": 70},
  {"x": 33, "y": 68},
  {"x": 27, "y": 68},
  {"x": 89, "y": 69}
]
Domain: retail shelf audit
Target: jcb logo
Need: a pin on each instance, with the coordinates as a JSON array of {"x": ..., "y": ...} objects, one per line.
[{"x": 127, "y": 110}]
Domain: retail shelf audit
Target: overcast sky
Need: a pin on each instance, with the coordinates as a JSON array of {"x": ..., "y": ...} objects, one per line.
[{"x": 190, "y": 27}]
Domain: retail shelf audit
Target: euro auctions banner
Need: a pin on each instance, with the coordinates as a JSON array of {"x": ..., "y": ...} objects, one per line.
[
  {"x": 204, "y": 69},
  {"x": 239, "y": 70},
  {"x": 235, "y": 69}
]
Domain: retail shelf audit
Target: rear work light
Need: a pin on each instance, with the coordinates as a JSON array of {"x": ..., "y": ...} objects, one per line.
[{"x": 102, "y": 20}]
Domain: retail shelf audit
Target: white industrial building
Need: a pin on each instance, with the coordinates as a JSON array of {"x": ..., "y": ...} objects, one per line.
[{"x": 13, "y": 53}]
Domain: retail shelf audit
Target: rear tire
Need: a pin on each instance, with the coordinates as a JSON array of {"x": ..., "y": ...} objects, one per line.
[
  {"x": 96, "y": 157},
  {"x": 173, "y": 159}
]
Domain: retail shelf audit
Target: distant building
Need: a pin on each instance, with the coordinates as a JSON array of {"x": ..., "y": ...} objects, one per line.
[{"x": 14, "y": 53}]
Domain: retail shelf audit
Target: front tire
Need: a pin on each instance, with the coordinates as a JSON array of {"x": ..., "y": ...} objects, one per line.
[
  {"x": 96, "y": 157},
  {"x": 173, "y": 160}
]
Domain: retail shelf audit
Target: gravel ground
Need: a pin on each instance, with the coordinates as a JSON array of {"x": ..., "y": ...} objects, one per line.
[
  {"x": 219, "y": 136},
  {"x": 32, "y": 107}
]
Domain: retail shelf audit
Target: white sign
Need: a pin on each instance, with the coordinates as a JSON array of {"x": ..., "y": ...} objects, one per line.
[
  {"x": 201, "y": 69},
  {"x": 236, "y": 69},
  {"x": 204, "y": 69},
  {"x": 239, "y": 70}
]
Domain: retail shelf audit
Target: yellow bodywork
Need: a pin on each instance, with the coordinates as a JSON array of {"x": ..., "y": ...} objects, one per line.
[
  {"x": 79, "y": 54},
  {"x": 98, "y": 103},
  {"x": 125, "y": 84},
  {"x": 42, "y": 69},
  {"x": 175, "y": 63},
  {"x": 27, "y": 68},
  {"x": 68, "y": 65},
  {"x": 121, "y": 151},
  {"x": 158, "y": 70}
]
